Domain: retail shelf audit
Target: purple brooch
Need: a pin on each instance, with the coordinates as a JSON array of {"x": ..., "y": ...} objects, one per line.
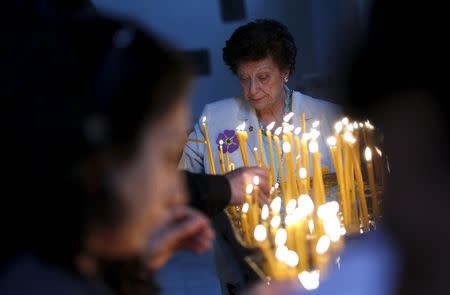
[{"x": 230, "y": 142}]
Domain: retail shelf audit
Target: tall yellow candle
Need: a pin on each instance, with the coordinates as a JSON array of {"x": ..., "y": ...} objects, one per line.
[
  {"x": 349, "y": 181},
  {"x": 319, "y": 196},
  {"x": 260, "y": 235},
  {"x": 371, "y": 176},
  {"x": 271, "y": 159},
  {"x": 256, "y": 157},
  {"x": 305, "y": 158},
  {"x": 276, "y": 141},
  {"x": 221, "y": 160},
  {"x": 208, "y": 147},
  {"x": 242, "y": 144},
  {"x": 244, "y": 224},
  {"x": 262, "y": 153},
  {"x": 289, "y": 170},
  {"x": 227, "y": 159}
]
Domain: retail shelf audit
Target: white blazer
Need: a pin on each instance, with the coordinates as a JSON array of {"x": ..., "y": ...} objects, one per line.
[{"x": 227, "y": 114}]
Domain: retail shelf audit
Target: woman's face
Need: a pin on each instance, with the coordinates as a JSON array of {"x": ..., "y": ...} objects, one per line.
[
  {"x": 262, "y": 82},
  {"x": 148, "y": 185}
]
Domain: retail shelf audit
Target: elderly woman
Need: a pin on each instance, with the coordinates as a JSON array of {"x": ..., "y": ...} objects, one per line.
[{"x": 262, "y": 55}]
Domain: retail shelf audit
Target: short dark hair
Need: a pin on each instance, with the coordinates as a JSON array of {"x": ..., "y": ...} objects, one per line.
[{"x": 260, "y": 39}]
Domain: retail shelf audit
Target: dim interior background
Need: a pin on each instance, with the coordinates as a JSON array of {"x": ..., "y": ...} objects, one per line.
[{"x": 323, "y": 31}]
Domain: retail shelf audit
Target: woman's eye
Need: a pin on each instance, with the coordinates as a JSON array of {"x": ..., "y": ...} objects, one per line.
[{"x": 264, "y": 78}]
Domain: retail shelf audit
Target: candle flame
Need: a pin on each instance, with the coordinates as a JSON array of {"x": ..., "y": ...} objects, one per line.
[
  {"x": 348, "y": 137},
  {"x": 355, "y": 125},
  {"x": 289, "y": 219},
  {"x": 314, "y": 134},
  {"x": 323, "y": 244},
  {"x": 368, "y": 154},
  {"x": 297, "y": 157},
  {"x": 286, "y": 129},
  {"x": 328, "y": 210},
  {"x": 256, "y": 180},
  {"x": 265, "y": 212},
  {"x": 350, "y": 127},
  {"x": 309, "y": 280},
  {"x": 280, "y": 237},
  {"x": 313, "y": 147},
  {"x": 281, "y": 253},
  {"x": 361, "y": 125},
  {"x": 270, "y": 126},
  {"x": 302, "y": 173},
  {"x": 331, "y": 141},
  {"x": 245, "y": 208},
  {"x": 292, "y": 259},
  {"x": 338, "y": 127},
  {"x": 277, "y": 185},
  {"x": 379, "y": 151},
  {"x": 286, "y": 147},
  {"x": 276, "y": 221},
  {"x": 311, "y": 226},
  {"x": 204, "y": 119},
  {"x": 288, "y": 117},
  {"x": 260, "y": 233},
  {"x": 255, "y": 149},
  {"x": 276, "y": 205},
  {"x": 291, "y": 128},
  {"x": 306, "y": 136},
  {"x": 345, "y": 121},
  {"x": 297, "y": 130},
  {"x": 305, "y": 204},
  {"x": 221, "y": 142},
  {"x": 290, "y": 206},
  {"x": 249, "y": 189},
  {"x": 315, "y": 124},
  {"x": 278, "y": 131},
  {"x": 241, "y": 127},
  {"x": 369, "y": 125}
]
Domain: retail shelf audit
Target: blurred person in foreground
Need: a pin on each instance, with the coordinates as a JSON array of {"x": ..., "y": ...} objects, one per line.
[{"x": 399, "y": 80}]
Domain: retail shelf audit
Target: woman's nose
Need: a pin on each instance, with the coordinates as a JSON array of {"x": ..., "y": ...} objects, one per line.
[{"x": 253, "y": 89}]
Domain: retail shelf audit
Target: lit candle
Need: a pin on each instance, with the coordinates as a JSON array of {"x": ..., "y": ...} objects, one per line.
[
  {"x": 349, "y": 181},
  {"x": 256, "y": 158},
  {"x": 208, "y": 147},
  {"x": 221, "y": 160},
  {"x": 319, "y": 196},
  {"x": 262, "y": 153},
  {"x": 241, "y": 137},
  {"x": 371, "y": 176},
  {"x": 260, "y": 235},
  {"x": 305, "y": 158},
  {"x": 290, "y": 223},
  {"x": 227, "y": 159},
  {"x": 271, "y": 160},
  {"x": 245, "y": 225},
  {"x": 305, "y": 207},
  {"x": 303, "y": 179},
  {"x": 252, "y": 219},
  {"x": 276, "y": 141},
  {"x": 256, "y": 191},
  {"x": 289, "y": 170}
]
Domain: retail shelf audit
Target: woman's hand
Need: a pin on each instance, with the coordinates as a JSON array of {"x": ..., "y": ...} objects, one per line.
[
  {"x": 185, "y": 228},
  {"x": 239, "y": 179}
]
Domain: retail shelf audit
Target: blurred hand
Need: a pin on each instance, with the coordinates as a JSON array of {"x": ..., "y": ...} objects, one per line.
[
  {"x": 239, "y": 179},
  {"x": 186, "y": 228},
  {"x": 275, "y": 288}
]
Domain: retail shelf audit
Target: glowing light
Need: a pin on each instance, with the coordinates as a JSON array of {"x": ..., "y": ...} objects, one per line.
[
  {"x": 368, "y": 154},
  {"x": 315, "y": 124},
  {"x": 314, "y": 134},
  {"x": 280, "y": 237},
  {"x": 276, "y": 221},
  {"x": 256, "y": 180},
  {"x": 313, "y": 147},
  {"x": 276, "y": 205},
  {"x": 323, "y": 244},
  {"x": 379, "y": 151},
  {"x": 249, "y": 189},
  {"x": 286, "y": 147},
  {"x": 270, "y": 126},
  {"x": 331, "y": 141},
  {"x": 204, "y": 119},
  {"x": 309, "y": 280},
  {"x": 297, "y": 130},
  {"x": 345, "y": 121},
  {"x": 302, "y": 173},
  {"x": 260, "y": 233},
  {"x": 245, "y": 208},
  {"x": 292, "y": 259},
  {"x": 281, "y": 253},
  {"x": 306, "y": 136},
  {"x": 338, "y": 127},
  {"x": 305, "y": 204},
  {"x": 265, "y": 212},
  {"x": 361, "y": 125},
  {"x": 311, "y": 226},
  {"x": 348, "y": 137},
  {"x": 278, "y": 131},
  {"x": 355, "y": 125},
  {"x": 369, "y": 125},
  {"x": 221, "y": 142},
  {"x": 288, "y": 117},
  {"x": 290, "y": 206},
  {"x": 241, "y": 127}
]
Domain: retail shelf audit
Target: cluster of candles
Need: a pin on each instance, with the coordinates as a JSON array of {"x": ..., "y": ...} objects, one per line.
[{"x": 299, "y": 231}]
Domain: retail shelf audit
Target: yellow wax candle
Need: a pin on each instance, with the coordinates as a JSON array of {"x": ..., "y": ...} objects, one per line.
[
  {"x": 256, "y": 191},
  {"x": 303, "y": 179},
  {"x": 276, "y": 141},
  {"x": 227, "y": 159},
  {"x": 221, "y": 160},
  {"x": 305, "y": 158},
  {"x": 208, "y": 147},
  {"x": 290, "y": 223},
  {"x": 319, "y": 196},
  {"x": 337, "y": 163},
  {"x": 271, "y": 159},
  {"x": 260, "y": 235},
  {"x": 242, "y": 143},
  {"x": 262, "y": 153},
  {"x": 349, "y": 181},
  {"x": 371, "y": 176},
  {"x": 256, "y": 158},
  {"x": 289, "y": 169},
  {"x": 245, "y": 225}
]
